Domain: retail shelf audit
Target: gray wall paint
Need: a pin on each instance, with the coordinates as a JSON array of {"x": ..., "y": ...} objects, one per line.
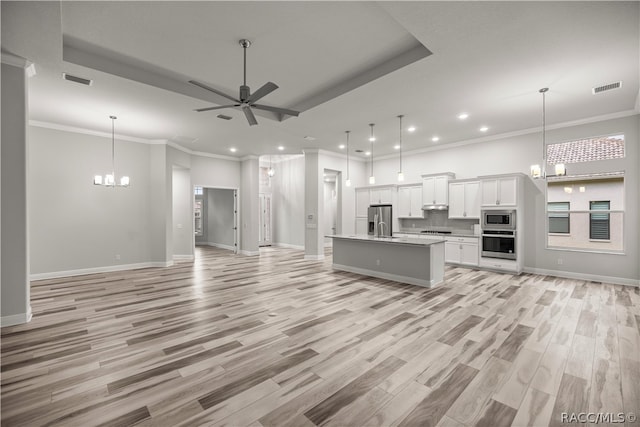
[
  {"x": 249, "y": 215},
  {"x": 516, "y": 154},
  {"x": 14, "y": 227},
  {"x": 182, "y": 212},
  {"x": 219, "y": 216},
  {"x": 287, "y": 189},
  {"x": 75, "y": 224},
  {"x": 79, "y": 226}
]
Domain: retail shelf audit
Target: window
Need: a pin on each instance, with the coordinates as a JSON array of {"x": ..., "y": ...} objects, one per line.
[
  {"x": 586, "y": 212},
  {"x": 197, "y": 191},
  {"x": 599, "y": 222},
  {"x": 558, "y": 217}
]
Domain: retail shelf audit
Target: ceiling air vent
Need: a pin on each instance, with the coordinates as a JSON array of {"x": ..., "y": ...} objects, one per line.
[
  {"x": 77, "y": 79},
  {"x": 604, "y": 88},
  {"x": 223, "y": 117}
]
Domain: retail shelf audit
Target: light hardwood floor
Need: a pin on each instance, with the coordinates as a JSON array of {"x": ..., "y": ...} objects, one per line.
[{"x": 278, "y": 341}]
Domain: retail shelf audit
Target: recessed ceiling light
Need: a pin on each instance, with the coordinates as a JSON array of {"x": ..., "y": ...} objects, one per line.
[
  {"x": 281, "y": 148},
  {"x": 373, "y": 138},
  {"x": 411, "y": 128},
  {"x": 397, "y": 146},
  {"x": 309, "y": 138},
  {"x": 341, "y": 146},
  {"x": 484, "y": 129},
  {"x": 463, "y": 116},
  {"x": 233, "y": 149},
  {"x": 435, "y": 139},
  {"x": 367, "y": 153}
]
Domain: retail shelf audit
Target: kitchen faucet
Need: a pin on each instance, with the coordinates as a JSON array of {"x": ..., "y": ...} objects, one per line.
[{"x": 381, "y": 224}]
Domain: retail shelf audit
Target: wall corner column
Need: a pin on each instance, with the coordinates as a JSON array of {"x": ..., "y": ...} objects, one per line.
[
  {"x": 14, "y": 213},
  {"x": 249, "y": 208},
  {"x": 313, "y": 206}
]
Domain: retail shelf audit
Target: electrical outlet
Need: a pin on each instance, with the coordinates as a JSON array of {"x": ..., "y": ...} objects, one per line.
[
  {"x": 560, "y": 261},
  {"x": 118, "y": 256},
  {"x": 377, "y": 262},
  {"x": 413, "y": 225}
]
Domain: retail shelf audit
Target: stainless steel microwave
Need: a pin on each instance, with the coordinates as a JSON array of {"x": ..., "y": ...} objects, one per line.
[{"x": 499, "y": 219}]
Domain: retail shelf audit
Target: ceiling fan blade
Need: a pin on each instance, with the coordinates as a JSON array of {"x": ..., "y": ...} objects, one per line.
[
  {"x": 200, "y": 110},
  {"x": 250, "y": 117},
  {"x": 276, "y": 110},
  {"x": 266, "y": 89},
  {"x": 210, "y": 89}
]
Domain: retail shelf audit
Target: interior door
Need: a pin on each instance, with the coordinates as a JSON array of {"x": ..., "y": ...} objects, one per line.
[{"x": 265, "y": 220}]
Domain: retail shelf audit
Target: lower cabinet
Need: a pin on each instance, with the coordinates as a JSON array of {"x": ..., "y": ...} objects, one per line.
[{"x": 461, "y": 250}]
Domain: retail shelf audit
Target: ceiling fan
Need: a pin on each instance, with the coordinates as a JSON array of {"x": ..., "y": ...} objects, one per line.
[{"x": 247, "y": 100}]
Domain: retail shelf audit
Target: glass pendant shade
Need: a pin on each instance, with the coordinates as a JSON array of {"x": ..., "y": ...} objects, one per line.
[
  {"x": 400, "y": 176},
  {"x": 347, "y": 182},
  {"x": 372, "y": 179},
  {"x": 560, "y": 169},
  {"x": 536, "y": 171}
]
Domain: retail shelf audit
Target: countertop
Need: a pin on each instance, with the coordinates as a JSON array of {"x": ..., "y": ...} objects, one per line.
[
  {"x": 388, "y": 240},
  {"x": 453, "y": 234}
]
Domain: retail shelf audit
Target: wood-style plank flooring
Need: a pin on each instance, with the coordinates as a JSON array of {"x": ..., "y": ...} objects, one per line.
[{"x": 275, "y": 340}]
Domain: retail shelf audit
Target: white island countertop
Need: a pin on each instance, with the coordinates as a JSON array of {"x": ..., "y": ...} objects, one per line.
[{"x": 392, "y": 240}]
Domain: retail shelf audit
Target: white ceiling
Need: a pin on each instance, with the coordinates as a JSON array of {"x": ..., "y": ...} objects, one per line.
[{"x": 343, "y": 64}]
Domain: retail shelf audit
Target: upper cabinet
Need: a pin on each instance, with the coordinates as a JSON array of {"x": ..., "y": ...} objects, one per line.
[
  {"x": 381, "y": 195},
  {"x": 464, "y": 200},
  {"x": 499, "y": 191},
  {"x": 435, "y": 189},
  {"x": 410, "y": 201}
]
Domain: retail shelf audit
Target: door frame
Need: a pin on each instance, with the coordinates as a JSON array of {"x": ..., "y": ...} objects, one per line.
[{"x": 236, "y": 213}]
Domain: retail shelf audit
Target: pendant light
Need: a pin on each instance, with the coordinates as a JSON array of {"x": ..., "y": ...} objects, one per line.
[
  {"x": 536, "y": 170},
  {"x": 372, "y": 179},
  {"x": 400, "y": 174},
  {"x": 348, "y": 181},
  {"x": 109, "y": 180},
  {"x": 271, "y": 172}
]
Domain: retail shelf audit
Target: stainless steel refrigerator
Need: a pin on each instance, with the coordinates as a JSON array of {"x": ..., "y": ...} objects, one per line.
[{"x": 380, "y": 220}]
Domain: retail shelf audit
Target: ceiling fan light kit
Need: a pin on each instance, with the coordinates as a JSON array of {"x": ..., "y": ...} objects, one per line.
[{"x": 247, "y": 100}]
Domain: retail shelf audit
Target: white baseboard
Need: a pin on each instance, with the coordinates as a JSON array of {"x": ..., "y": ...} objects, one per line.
[
  {"x": 289, "y": 246},
  {"x": 94, "y": 270},
  {"x": 314, "y": 257},
  {"x": 250, "y": 253},
  {"x": 183, "y": 257},
  {"x": 216, "y": 245},
  {"x": 583, "y": 276},
  {"x": 16, "y": 319}
]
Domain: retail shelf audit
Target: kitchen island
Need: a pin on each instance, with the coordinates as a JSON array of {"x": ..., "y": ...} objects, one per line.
[{"x": 403, "y": 259}]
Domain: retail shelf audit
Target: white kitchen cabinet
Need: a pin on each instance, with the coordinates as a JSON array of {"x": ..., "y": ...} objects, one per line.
[
  {"x": 464, "y": 200},
  {"x": 461, "y": 250},
  {"x": 499, "y": 191},
  {"x": 362, "y": 202},
  {"x": 410, "y": 202},
  {"x": 435, "y": 189},
  {"x": 361, "y": 226},
  {"x": 381, "y": 195},
  {"x": 499, "y": 264}
]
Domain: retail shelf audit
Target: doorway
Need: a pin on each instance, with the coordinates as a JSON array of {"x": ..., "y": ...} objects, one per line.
[
  {"x": 215, "y": 212},
  {"x": 332, "y": 224},
  {"x": 265, "y": 220}
]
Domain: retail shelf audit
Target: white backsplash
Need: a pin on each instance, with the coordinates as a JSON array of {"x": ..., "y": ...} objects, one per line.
[{"x": 437, "y": 220}]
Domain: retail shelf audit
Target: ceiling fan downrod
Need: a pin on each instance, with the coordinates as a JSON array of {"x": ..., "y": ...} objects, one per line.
[{"x": 244, "y": 89}]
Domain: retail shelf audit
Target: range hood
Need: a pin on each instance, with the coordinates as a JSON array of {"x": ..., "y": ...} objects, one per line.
[{"x": 436, "y": 207}]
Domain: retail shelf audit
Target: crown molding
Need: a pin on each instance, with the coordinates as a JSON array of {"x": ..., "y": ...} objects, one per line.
[
  {"x": 128, "y": 138},
  {"x": 488, "y": 138},
  {"x": 250, "y": 157},
  {"x": 16, "y": 61}
]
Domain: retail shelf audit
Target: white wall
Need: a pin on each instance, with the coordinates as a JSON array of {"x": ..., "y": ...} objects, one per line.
[
  {"x": 516, "y": 154},
  {"x": 219, "y": 217},
  {"x": 182, "y": 208},
  {"x": 75, "y": 224},
  {"x": 287, "y": 202}
]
